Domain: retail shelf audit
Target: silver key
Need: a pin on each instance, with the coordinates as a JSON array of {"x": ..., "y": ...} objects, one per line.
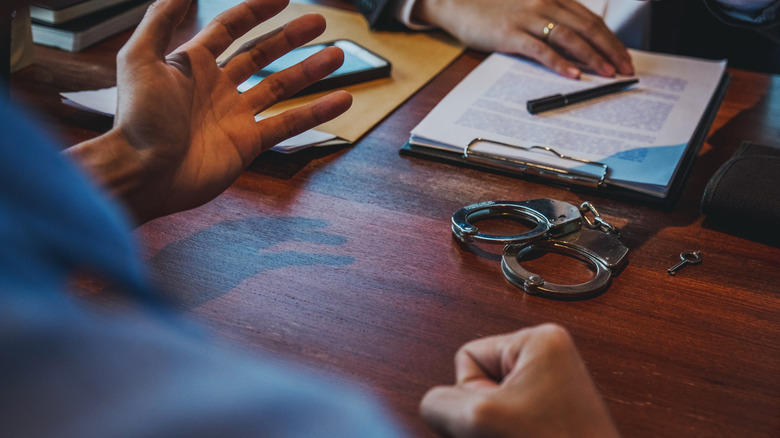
[{"x": 686, "y": 257}]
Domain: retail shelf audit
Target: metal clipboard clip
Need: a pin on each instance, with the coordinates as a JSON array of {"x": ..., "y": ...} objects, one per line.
[{"x": 529, "y": 167}]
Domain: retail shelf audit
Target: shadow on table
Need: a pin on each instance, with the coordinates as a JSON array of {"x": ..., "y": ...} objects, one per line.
[{"x": 214, "y": 261}]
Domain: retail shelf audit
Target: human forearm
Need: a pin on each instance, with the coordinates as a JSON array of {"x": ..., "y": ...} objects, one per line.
[{"x": 120, "y": 170}]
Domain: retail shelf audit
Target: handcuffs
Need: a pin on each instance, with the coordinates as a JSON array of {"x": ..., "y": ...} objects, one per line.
[{"x": 561, "y": 228}]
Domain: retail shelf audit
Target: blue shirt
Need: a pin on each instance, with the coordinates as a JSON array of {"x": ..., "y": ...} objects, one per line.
[{"x": 68, "y": 369}]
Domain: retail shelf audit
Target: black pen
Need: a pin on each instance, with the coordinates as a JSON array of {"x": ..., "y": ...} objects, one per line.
[{"x": 560, "y": 100}]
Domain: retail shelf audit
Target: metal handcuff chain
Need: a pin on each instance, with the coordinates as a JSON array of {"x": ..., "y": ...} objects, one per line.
[
  {"x": 559, "y": 228},
  {"x": 597, "y": 222}
]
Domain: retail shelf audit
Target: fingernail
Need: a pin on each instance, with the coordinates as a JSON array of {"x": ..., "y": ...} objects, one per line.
[
  {"x": 573, "y": 72},
  {"x": 607, "y": 70}
]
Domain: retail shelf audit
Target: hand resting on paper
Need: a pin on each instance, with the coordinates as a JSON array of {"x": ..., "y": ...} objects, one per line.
[
  {"x": 552, "y": 32},
  {"x": 182, "y": 133}
]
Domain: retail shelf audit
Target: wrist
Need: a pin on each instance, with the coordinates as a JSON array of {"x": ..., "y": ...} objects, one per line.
[
  {"x": 118, "y": 168},
  {"x": 428, "y": 12}
]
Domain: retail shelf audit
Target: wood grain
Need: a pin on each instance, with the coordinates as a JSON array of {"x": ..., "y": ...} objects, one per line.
[{"x": 342, "y": 259}]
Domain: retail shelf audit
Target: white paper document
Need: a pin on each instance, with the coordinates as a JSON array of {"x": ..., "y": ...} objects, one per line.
[
  {"x": 640, "y": 134},
  {"x": 103, "y": 101}
]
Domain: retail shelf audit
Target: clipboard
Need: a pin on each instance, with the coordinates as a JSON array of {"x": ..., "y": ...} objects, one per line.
[{"x": 597, "y": 186}]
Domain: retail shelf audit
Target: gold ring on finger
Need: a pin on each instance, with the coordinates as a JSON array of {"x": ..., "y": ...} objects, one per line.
[{"x": 548, "y": 28}]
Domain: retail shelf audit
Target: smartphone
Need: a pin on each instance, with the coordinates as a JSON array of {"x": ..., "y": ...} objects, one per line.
[{"x": 360, "y": 65}]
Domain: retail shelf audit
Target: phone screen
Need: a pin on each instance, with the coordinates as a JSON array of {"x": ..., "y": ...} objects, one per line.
[{"x": 360, "y": 65}]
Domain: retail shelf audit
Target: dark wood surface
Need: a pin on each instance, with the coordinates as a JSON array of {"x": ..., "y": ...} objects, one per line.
[{"x": 342, "y": 258}]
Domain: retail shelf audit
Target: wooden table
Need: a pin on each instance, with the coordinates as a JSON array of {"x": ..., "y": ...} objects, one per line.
[{"x": 342, "y": 258}]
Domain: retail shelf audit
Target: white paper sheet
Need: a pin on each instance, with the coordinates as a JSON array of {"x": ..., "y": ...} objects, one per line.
[
  {"x": 641, "y": 133},
  {"x": 103, "y": 101}
]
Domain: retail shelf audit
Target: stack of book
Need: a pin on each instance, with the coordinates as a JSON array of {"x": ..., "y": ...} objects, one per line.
[{"x": 74, "y": 25}]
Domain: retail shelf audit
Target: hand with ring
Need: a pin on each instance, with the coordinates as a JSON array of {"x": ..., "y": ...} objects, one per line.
[{"x": 559, "y": 34}]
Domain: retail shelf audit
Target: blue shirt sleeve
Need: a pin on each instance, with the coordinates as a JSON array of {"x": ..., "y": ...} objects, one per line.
[
  {"x": 759, "y": 17},
  {"x": 67, "y": 369}
]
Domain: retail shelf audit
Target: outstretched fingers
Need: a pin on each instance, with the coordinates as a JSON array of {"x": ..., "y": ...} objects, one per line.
[
  {"x": 233, "y": 23},
  {"x": 300, "y": 119},
  {"x": 283, "y": 84},
  {"x": 261, "y": 51}
]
